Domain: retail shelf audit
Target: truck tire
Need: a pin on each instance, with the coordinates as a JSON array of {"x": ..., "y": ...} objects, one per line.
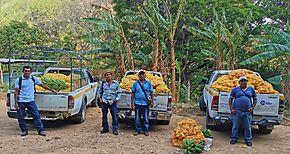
[
  {"x": 209, "y": 121},
  {"x": 265, "y": 130},
  {"x": 202, "y": 104},
  {"x": 163, "y": 122},
  {"x": 94, "y": 102},
  {"x": 81, "y": 116}
]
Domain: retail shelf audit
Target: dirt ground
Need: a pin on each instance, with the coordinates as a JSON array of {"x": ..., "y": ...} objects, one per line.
[{"x": 65, "y": 137}]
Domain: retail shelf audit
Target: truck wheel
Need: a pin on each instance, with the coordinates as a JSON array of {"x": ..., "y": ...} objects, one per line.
[
  {"x": 81, "y": 116},
  {"x": 209, "y": 121},
  {"x": 94, "y": 102},
  {"x": 202, "y": 104},
  {"x": 265, "y": 130},
  {"x": 163, "y": 122}
]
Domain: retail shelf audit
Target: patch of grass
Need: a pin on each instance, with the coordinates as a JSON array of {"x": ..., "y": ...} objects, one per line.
[{"x": 3, "y": 88}]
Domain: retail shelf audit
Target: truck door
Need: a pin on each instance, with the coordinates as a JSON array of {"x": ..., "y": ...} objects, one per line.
[{"x": 92, "y": 92}]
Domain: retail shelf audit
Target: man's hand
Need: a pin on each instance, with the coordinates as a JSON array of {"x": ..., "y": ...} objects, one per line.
[
  {"x": 132, "y": 106},
  {"x": 16, "y": 105},
  {"x": 233, "y": 111},
  {"x": 251, "y": 109},
  {"x": 115, "y": 101},
  {"x": 151, "y": 104},
  {"x": 54, "y": 91}
]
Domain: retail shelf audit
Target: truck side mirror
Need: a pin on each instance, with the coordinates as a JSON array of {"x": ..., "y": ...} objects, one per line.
[
  {"x": 95, "y": 79},
  {"x": 204, "y": 81}
]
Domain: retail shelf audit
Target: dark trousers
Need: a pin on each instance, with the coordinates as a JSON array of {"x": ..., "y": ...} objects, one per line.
[
  {"x": 113, "y": 111},
  {"x": 141, "y": 110},
  {"x": 32, "y": 109}
]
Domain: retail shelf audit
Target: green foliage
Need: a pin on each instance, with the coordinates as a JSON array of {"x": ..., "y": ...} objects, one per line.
[{"x": 18, "y": 35}]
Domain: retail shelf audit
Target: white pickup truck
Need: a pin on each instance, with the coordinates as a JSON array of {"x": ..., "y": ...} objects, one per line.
[
  {"x": 62, "y": 105},
  {"x": 267, "y": 113},
  {"x": 160, "y": 112}
]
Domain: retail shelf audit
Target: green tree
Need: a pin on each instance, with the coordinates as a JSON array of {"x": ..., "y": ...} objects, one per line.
[
  {"x": 274, "y": 45},
  {"x": 18, "y": 35}
]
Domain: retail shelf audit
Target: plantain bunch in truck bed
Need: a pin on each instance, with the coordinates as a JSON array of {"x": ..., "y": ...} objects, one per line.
[
  {"x": 157, "y": 82},
  {"x": 226, "y": 83},
  {"x": 57, "y": 81}
]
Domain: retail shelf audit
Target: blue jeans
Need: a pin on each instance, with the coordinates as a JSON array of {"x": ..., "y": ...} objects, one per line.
[
  {"x": 32, "y": 109},
  {"x": 244, "y": 119},
  {"x": 144, "y": 111},
  {"x": 113, "y": 110}
]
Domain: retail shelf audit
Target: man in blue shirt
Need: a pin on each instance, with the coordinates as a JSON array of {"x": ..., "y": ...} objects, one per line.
[
  {"x": 24, "y": 96},
  {"x": 242, "y": 109},
  {"x": 108, "y": 94},
  {"x": 141, "y": 99}
]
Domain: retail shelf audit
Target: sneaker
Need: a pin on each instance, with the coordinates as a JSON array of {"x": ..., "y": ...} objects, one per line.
[
  {"x": 115, "y": 132},
  {"x": 146, "y": 133},
  {"x": 233, "y": 142},
  {"x": 136, "y": 133},
  {"x": 24, "y": 133},
  {"x": 104, "y": 131},
  {"x": 249, "y": 144},
  {"x": 42, "y": 133}
]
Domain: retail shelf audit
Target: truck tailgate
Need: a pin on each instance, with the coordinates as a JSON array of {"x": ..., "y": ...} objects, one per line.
[
  {"x": 51, "y": 102},
  {"x": 267, "y": 104},
  {"x": 160, "y": 101}
]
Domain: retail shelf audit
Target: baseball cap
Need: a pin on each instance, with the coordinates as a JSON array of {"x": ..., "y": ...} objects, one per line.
[
  {"x": 242, "y": 78},
  {"x": 141, "y": 71}
]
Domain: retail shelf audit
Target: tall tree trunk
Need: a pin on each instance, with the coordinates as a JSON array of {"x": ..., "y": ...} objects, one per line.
[
  {"x": 218, "y": 62},
  {"x": 172, "y": 53},
  {"x": 165, "y": 70},
  {"x": 128, "y": 50},
  {"x": 286, "y": 83},
  {"x": 188, "y": 90},
  {"x": 155, "y": 53},
  {"x": 162, "y": 59},
  {"x": 122, "y": 67},
  {"x": 232, "y": 61},
  {"x": 179, "y": 86}
]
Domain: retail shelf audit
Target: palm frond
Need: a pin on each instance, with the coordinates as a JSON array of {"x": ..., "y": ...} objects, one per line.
[
  {"x": 262, "y": 56},
  {"x": 274, "y": 47}
]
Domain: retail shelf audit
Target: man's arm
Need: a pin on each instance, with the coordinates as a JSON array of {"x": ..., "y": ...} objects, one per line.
[
  {"x": 254, "y": 105},
  {"x": 47, "y": 88},
  {"x": 231, "y": 105},
  {"x": 132, "y": 100},
  {"x": 118, "y": 93},
  {"x": 16, "y": 98}
]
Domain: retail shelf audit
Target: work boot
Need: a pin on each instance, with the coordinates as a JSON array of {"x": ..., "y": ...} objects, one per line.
[
  {"x": 24, "y": 133},
  {"x": 146, "y": 133},
  {"x": 42, "y": 133},
  {"x": 115, "y": 132},
  {"x": 104, "y": 131},
  {"x": 136, "y": 133}
]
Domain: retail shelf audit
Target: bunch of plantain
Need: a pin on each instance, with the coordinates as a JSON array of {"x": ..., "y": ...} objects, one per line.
[
  {"x": 55, "y": 84},
  {"x": 191, "y": 146}
]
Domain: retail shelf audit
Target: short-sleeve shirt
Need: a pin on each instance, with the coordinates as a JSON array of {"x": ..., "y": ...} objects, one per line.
[
  {"x": 241, "y": 101},
  {"x": 26, "y": 93},
  {"x": 110, "y": 92},
  {"x": 139, "y": 97}
]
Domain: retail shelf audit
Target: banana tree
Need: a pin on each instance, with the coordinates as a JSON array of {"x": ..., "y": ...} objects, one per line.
[
  {"x": 173, "y": 25},
  {"x": 213, "y": 34},
  {"x": 108, "y": 27},
  {"x": 279, "y": 46}
]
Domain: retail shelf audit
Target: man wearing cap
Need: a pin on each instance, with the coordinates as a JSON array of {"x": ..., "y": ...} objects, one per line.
[
  {"x": 241, "y": 108},
  {"x": 108, "y": 94},
  {"x": 142, "y": 94}
]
